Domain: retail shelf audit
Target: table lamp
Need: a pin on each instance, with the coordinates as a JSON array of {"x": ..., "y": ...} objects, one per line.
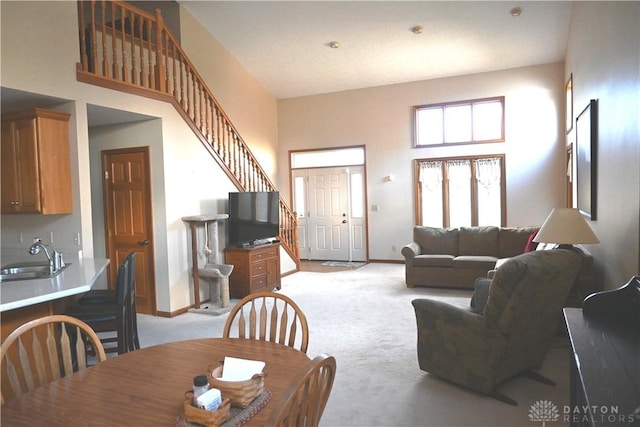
[{"x": 566, "y": 227}]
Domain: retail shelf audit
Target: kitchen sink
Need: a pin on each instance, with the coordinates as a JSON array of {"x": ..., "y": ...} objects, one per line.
[{"x": 27, "y": 271}]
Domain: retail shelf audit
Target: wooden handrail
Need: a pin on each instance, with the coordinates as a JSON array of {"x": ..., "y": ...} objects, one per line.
[{"x": 127, "y": 49}]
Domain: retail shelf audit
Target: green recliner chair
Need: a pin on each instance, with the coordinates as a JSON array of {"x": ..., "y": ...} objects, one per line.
[{"x": 506, "y": 336}]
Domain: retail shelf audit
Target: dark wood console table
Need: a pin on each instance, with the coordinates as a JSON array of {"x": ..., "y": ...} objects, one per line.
[{"x": 605, "y": 359}]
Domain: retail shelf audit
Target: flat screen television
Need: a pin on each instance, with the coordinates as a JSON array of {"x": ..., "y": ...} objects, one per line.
[{"x": 254, "y": 218}]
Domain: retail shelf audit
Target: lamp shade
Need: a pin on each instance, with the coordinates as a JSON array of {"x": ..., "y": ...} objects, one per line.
[{"x": 565, "y": 226}]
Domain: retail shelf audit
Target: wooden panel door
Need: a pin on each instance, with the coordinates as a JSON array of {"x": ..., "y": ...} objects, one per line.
[{"x": 128, "y": 216}]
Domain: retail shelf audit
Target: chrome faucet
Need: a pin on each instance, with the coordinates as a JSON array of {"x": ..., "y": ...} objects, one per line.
[{"x": 56, "y": 262}]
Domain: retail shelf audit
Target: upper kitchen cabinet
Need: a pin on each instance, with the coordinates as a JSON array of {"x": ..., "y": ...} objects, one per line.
[{"x": 36, "y": 168}]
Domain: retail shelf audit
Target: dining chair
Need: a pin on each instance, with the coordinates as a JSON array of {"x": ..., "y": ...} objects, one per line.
[
  {"x": 109, "y": 296},
  {"x": 110, "y": 318},
  {"x": 44, "y": 350},
  {"x": 305, "y": 399},
  {"x": 268, "y": 316},
  {"x": 132, "y": 314}
]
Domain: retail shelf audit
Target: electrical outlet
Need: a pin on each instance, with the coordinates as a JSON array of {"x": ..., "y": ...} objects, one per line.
[
  {"x": 51, "y": 238},
  {"x": 394, "y": 248},
  {"x": 374, "y": 208},
  {"x": 20, "y": 237},
  {"x": 76, "y": 239}
]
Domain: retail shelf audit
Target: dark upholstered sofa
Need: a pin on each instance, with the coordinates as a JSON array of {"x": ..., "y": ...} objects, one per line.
[{"x": 456, "y": 257}]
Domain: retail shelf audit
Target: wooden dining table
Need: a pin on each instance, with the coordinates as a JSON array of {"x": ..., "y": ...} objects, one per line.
[{"x": 147, "y": 387}]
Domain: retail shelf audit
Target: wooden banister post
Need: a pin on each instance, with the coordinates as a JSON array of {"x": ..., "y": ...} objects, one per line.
[{"x": 161, "y": 69}]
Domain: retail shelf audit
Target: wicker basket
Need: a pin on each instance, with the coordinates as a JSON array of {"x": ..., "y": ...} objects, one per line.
[
  {"x": 204, "y": 417},
  {"x": 241, "y": 393}
]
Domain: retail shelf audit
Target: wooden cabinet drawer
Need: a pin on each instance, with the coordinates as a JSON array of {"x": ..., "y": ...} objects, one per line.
[
  {"x": 258, "y": 282},
  {"x": 269, "y": 252},
  {"x": 257, "y": 268}
]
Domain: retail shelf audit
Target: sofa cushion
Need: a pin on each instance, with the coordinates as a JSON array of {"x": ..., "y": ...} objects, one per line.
[
  {"x": 479, "y": 241},
  {"x": 475, "y": 261},
  {"x": 513, "y": 240},
  {"x": 433, "y": 261},
  {"x": 436, "y": 240}
]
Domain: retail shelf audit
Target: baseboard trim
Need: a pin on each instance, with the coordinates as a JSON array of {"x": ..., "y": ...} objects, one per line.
[{"x": 179, "y": 311}]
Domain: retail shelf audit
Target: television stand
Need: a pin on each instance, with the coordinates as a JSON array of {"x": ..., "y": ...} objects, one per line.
[{"x": 256, "y": 268}]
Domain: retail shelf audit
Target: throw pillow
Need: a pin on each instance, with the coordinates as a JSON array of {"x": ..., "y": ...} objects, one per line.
[{"x": 531, "y": 245}]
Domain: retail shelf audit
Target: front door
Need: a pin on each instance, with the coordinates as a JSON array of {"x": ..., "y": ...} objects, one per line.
[
  {"x": 128, "y": 219},
  {"x": 333, "y": 225}
]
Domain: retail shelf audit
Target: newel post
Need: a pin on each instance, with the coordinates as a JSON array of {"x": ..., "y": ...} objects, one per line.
[{"x": 161, "y": 69}]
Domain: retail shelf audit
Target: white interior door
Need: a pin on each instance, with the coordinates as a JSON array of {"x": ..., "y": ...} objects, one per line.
[
  {"x": 327, "y": 222},
  {"x": 331, "y": 223}
]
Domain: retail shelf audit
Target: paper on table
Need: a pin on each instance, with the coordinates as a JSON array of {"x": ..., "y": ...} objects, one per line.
[{"x": 235, "y": 369}]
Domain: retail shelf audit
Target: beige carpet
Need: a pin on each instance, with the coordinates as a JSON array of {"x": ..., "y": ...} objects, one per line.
[{"x": 364, "y": 318}]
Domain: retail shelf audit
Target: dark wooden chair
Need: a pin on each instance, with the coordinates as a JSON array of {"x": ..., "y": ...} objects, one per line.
[
  {"x": 108, "y": 317},
  {"x": 109, "y": 296}
]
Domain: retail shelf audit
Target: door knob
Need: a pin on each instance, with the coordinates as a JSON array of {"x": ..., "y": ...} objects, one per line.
[
  {"x": 145, "y": 242},
  {"x": 344, "y": 221}
]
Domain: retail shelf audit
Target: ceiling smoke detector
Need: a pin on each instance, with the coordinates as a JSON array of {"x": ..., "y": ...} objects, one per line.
[
  {"x": 334, "y": 45},
  {"x": 418, "y": 29}
]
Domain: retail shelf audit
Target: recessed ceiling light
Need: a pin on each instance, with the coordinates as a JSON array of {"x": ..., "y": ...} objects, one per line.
[
  {"x": 334, "y": 45},
  {"x": 516, "y": 11},
  {"x": 418, "y": 29}
]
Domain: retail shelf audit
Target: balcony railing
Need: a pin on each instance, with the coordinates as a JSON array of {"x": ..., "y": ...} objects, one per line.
[{"x": 127, "y": 49}]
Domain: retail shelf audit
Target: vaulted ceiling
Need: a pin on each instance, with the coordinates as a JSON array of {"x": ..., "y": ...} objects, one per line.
[{"x": 285, "y": 45}]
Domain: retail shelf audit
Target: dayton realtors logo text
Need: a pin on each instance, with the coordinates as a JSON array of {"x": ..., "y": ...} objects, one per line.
[{"x": 545, "y": 411}]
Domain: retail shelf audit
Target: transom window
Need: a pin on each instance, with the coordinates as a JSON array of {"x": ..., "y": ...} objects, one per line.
[
  {"x": 461, "y": 122},
  {"x": 459, "y": 192}
]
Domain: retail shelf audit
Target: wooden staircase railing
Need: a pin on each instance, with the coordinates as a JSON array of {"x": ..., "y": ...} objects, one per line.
[{"x": 127, "y": 49}]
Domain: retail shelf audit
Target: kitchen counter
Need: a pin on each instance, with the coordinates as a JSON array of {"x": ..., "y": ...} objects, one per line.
[{"x": 79, "y": 277}]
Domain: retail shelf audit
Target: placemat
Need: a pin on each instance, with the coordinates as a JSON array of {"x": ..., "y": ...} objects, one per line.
[{"x": 237, "y": 416}]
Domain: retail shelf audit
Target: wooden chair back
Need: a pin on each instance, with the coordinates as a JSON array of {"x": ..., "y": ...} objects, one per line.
[
  {"x": 268, "y": 316},
  {"x": 44, "y": 350},
  {"x": 305, "y": 399}
]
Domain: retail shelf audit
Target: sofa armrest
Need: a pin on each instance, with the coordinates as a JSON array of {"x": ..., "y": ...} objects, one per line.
[
  {"x": 430, "y": 311},
  {"x": 411, "y": 250}
]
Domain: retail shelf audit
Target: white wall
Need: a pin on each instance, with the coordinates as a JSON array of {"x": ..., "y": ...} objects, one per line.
[
  {"x": 381, "y": 118},
  {"x": 252, "y": 109},
  {"x": 604, "y": 56},
  {"x": 36, "y": 58},
  {"x": 185, "y": 180}
]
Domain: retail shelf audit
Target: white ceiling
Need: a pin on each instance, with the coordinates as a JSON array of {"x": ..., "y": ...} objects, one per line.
[{"x": 284, "y": 44}]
